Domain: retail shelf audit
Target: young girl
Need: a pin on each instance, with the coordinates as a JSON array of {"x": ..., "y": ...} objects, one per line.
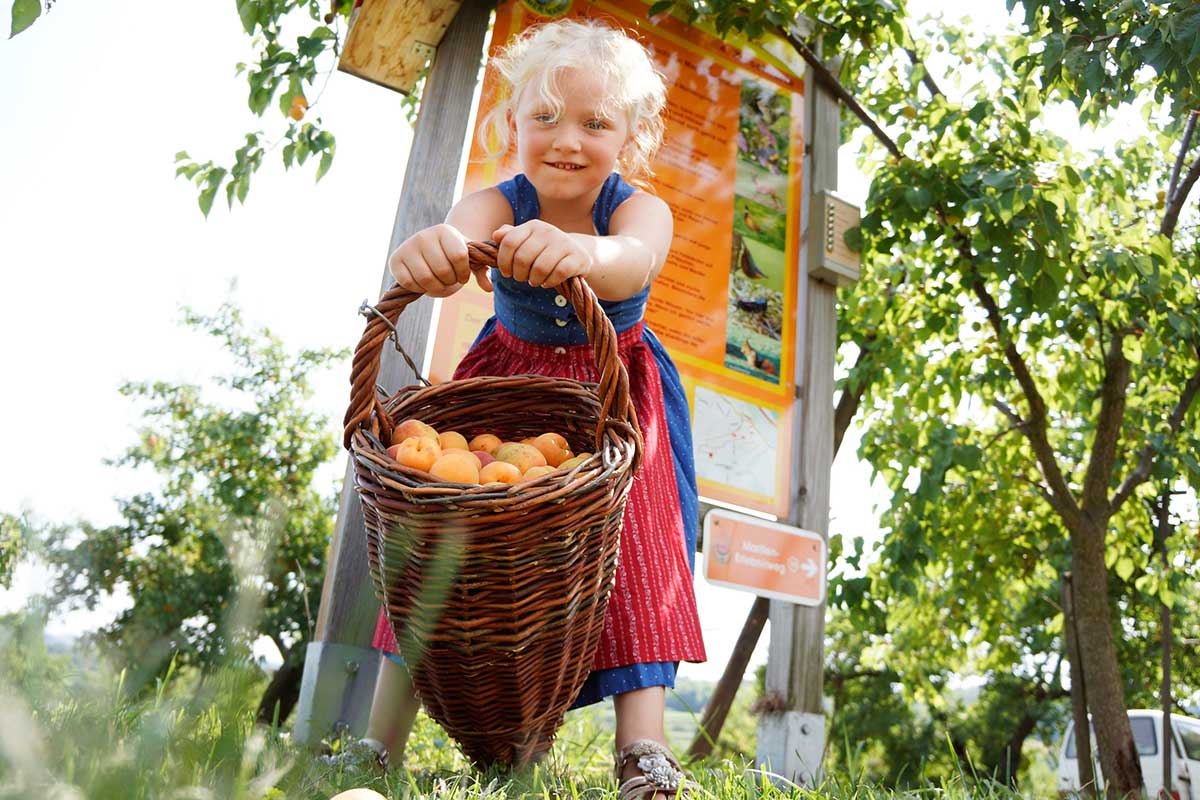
[{"x": 584, "y": 102}]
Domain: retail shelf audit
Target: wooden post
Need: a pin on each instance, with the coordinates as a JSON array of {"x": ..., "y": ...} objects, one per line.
[
  {"x": 791, "y": 733},
  {"x": 340, "y": 666},
  {"x": 1083, "y": 743}
]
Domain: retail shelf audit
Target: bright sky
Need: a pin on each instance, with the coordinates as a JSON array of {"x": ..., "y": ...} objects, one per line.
[{"x": 102, "y": 245}]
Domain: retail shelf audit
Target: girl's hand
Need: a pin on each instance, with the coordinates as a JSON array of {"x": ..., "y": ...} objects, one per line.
[
  {"x": 539, "y": 254},
  {"x": 432, "y": 262}
]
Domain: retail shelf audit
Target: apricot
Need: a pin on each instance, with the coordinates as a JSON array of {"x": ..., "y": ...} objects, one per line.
[
  {"x": 414, "y": 427},
  {"x": 523, "y": 456},
  {"x": 453, "y": 440},
  {"x": 537, "y": 472},
  {"x": 416, "y": 452},
  {"x": 484, "y": 457},
  {"x": 499, "y": 472},
  {"x": 553, "y": 447},
  {"x": 358, "y": 794},
  {"x": 456, "y": 468},
  {"x": 478, "y": 463},
  {"x": 484, "y": 441},
  {"x": 574, "y": 461}
]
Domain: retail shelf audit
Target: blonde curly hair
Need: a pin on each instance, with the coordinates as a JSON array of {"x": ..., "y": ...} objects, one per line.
[{"x": 636, "y": 89}]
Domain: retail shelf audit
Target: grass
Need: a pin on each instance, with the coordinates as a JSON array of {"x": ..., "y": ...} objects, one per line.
[{"x": 72, "y": 729}]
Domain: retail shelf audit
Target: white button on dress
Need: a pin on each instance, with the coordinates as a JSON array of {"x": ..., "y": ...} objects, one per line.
[
  {"x": 562, "y": 323},
  {"x": 559, "y": 300},
  {"x": 560, "y": 350}
]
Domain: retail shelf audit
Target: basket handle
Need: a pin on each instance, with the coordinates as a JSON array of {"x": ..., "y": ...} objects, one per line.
[{"x": 616, "y": 408}]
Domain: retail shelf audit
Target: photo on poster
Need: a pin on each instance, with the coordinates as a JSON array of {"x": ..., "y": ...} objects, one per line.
[
  {"x": 757, "y": 273},
  {"x": 735, "y": 442}
]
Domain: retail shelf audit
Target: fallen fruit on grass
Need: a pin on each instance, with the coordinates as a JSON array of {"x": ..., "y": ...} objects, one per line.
[
  {"x": 553, "y": 447},
  {"x": 499, "y": 472},
  {"x": 459, "y": 467},
  {"x": 414, "y": 427},
  {"x": 523, "y": 456},
  {"x": 486, "y": 442},
  {"x": 416, "y": 452}
]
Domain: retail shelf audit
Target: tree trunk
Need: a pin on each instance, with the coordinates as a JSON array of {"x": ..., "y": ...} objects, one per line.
[
  {"x": 1008, "y": 761},
  {"x": 1079, "y": 708},
  {"x": 284, "y": 688},
  {"x": 1106, "y": 694}
]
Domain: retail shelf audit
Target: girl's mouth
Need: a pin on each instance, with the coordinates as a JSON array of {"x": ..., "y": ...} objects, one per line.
[{"x": 564, "y": 165}]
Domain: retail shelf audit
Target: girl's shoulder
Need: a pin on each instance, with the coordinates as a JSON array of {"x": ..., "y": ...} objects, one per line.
[
  {"x": 640, "y": 204},
  {"x": 480, "y": 213}
]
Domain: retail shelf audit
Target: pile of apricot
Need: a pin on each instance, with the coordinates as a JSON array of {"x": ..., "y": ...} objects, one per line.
[{"x": 484, "y": 460}]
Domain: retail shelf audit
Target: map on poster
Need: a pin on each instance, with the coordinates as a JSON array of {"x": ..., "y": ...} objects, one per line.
[{"x": 735, "y": 443}]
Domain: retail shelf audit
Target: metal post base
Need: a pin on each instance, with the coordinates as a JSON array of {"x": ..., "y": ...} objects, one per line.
[
  {"x": 790, "y": 745},
  {"x": 341, "y": 694}
]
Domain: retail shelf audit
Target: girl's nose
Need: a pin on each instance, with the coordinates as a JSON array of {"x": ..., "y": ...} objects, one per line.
[{"x": 566, "y": 138}]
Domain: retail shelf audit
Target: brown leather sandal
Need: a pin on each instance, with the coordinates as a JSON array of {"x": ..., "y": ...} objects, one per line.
[{"x": 660, "y": 770}]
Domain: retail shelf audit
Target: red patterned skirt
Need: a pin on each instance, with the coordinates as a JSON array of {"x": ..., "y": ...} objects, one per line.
[{"x": 651, "y": 613}]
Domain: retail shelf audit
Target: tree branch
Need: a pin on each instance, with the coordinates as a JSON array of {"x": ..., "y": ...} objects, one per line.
[
  {"x": 1108, "y": 428},
  {"x": 849, "y": 401},
  {"x": 830, "y": 82},
  {"x": 1183, "y": 148},
  {"x": 1171, "y": 216},
  {"x": 1146, "y": 459},
  {"x": 926, "y": 79},
  {"x": 1035, "y": 428},
  {"x": 1013, "y": 417}
]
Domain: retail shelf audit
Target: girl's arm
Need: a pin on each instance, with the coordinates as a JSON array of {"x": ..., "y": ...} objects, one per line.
[
  {"x": 616, "y": 266},
  {"x": 434, "y": 261}
]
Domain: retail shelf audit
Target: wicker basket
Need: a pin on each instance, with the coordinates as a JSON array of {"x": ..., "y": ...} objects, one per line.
[{"x": 496, "y": 597}]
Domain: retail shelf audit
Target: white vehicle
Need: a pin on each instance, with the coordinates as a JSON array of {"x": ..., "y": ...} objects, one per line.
[{"x": 1147, "y": 734}]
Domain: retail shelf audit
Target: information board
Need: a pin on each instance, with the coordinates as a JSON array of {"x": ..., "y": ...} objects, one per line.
[{"x": 724, "y": 304}]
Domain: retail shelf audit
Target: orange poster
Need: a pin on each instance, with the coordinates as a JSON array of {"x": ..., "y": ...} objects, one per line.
[{"x": 724, "y": 304}]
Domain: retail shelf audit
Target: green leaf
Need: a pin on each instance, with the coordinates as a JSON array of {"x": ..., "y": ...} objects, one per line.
[
  {"x": 24, "y": 12},
  {"x": 206, "y": 199},
  {"x": 1124, "y": 567},
  {"x": 660, "y": 7},
  {"x": 323, "y": 167},
  {"x": 248, "y": 11},
  {"x": 853, "y": 239},
  {"x": 917, "y": 197}
]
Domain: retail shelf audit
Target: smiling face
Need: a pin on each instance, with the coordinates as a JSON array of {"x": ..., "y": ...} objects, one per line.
[{"x": 567, "y": 152}]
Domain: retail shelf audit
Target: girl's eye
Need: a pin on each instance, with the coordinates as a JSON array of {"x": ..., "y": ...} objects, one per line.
[
  {"x": 543, "y": 118},
  {"x": 597, "y": 124}
]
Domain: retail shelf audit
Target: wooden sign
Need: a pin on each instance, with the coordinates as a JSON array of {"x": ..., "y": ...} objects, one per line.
[
  {"x": 391, "y": 41},
  {"x": 767, "y": 558},
  {"x": 831, "y": 259}
]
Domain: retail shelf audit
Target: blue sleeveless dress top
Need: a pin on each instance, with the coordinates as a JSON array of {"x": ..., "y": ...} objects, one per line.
[{"x": 542, "y": 316}]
